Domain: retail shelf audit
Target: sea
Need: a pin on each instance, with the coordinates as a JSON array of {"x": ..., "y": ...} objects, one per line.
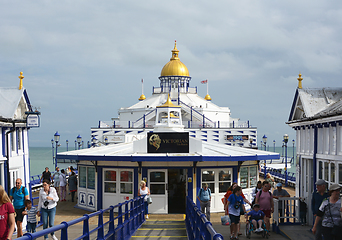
[{"x": 41, "y": 157}]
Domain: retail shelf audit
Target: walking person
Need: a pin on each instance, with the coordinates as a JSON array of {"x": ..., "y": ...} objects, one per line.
[
  {"x": 265, "y": 200},
  {"x": 7, "y": 220},
  {"x": 235, "y": 201},
  {"x": 256, "y": 190},
  {"x": 56, "y": 181},
  {"x": 329, "y": 214},
  {"x": 46, "y": 175},
  {"x": 62, "y": 185},
  {"x": 31, "y": 213},
  {"x": 144, "y": 190},
  {"x": 19, "y": 194},
  {"x": 279, "y": 193},
  {"x": 72, "y": 182},
  {"x": 48, "y": 199},
  {"x": 316, "y": 201},
  {"x": 204, "y": 197}
]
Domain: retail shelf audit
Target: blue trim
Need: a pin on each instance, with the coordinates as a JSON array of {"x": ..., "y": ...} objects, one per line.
[
  {"x": 99, "y": 187},
  {"x": 204, "y": 135},
  {"x": 216, "y": 131},
  {"x": 105, "y": 131},
  {"x": 204, "y": 131},
  {"x": 23, "y": 147},
  {"x": 253, "y": 131},
  {"x": 129, "y": 131},
  {"x": 116, "y": 131},
  {"x": 293, "y": 105},
  {"x": 94, "y": 131},
  {"x": 140, "y": 132},
  {"x": 190, "y": 184},
  {"x": 204, "y": 140},
  {"x": 165, "y": 158},
  {"x": 216, "y": 136},
  {"x": 192, "y": 136},
  {"x": 217, "y": 140},
  {"x": 228, "y": 131},
  {"x": 27, "y": 101},
  {"x": 240, "y": 131},
  {"x": 136, "y": 182}
]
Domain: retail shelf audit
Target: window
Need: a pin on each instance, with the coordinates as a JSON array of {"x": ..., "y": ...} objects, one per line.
[
  {"x": 332, "y": 172},
  {"x": 209, "y": 178},
  {"x": 86, "y": 177},
  {"x": 225, "y": 180},
  {"x": 12, "y": 142},
  {"x": 248, "y": 177},
  {"x": 110, "y": 181},
  {"x": 326, "y": 171},
  {"x": 19, "y": 138},
  {"x": 320, "y": 170},
  {"x": 126, "y": 182}
]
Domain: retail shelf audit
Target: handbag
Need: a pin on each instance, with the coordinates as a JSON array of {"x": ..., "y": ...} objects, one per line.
[
  {"x": 225, "y": 220},
  {"x": 336, "y": 230},
  {"x": 149, "y": 200}
]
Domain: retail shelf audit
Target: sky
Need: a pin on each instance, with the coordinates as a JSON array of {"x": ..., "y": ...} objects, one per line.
[{"x": 83, "y": 60}]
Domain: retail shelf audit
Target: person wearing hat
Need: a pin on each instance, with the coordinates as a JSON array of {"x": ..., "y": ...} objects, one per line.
[
  {"x": 316, "y": 201},
  {"x": 256, "y": 215},
  {"x": 204, "y": 197},
  {"x": 329, "y": 214},
  {"x": 279, "y": 193}
]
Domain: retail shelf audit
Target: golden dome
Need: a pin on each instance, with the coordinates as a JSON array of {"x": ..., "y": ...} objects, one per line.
[
  {"x": 168, "y": 103},
  {"x": 142, "y": 97},
  {"x": 174, "y": 67},
  {"x": 207, "y": 97}
]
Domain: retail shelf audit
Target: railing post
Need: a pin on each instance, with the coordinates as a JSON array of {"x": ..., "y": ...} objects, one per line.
[
  {"x": 111, "y": 222},
  {"x": 120, "y": 225},
  {"x": 144, "y": 121},
  {"x": 64, "y": 231},
  {"x": 126, "y": 219},
  {"x": 131, "y": 217},
  {"x": 203, "y": 121},
  {"x": 100, "y": 232},
  {"x": 86, "y": 227}
]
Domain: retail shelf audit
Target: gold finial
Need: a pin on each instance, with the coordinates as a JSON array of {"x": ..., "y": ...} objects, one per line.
[
  {"x": 142, "y": 97},
  {"x": 300, "y": 79},
  {"x": 175, "y": 52},
  {"x": 21, "y": 80},
  {"x": 207, "y": 97}
]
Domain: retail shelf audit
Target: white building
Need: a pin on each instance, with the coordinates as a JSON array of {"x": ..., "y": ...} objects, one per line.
[
  {"x": 316, "y": 115},
  {"x": 175, "y": 141},
  {"x": 16, "y": 118}
]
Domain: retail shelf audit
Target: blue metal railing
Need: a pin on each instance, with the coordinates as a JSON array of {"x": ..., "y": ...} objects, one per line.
[
  {"x": 197, "y": 225},
  {"x": 143, "y": 119},
  {"x": 206, "y": 121},
  {"x": 127, "y": 223}
]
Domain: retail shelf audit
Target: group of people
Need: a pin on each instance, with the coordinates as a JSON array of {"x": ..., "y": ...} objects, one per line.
[
  {"x": 16, "y": 204},
  {"x": 60, "y": 181},
  {"x": 234, "y": 204}
]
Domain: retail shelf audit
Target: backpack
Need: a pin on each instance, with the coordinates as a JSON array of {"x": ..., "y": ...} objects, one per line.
[
  {"x": 259, "y": 196},
  {"x": 22, "y": 190},
  {"x": 200, "y": 192}
]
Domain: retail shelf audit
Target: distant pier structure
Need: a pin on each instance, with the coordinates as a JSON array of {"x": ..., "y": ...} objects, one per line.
[
  {"x": 316, "y": 116},
  {"x": 174, "y": 140}
]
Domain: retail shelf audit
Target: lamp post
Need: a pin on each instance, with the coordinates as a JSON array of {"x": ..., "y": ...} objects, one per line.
[
  {"x": 75, "y": 144},
  {"x": 56, "y": 137},
  {"x": 53, "y": 152},
  {"x": 82, "y": 144},
  {"x": 79, "y": 141},
  {"x": 106, "y": 140},
  {"x": 286, "y": 139},
  {"x": 264, "y": 139},
  {"x": 273, "y": 145},
  {"x": 88, "y": 144},
  {"x": 67, "y": 143},
  {"x": 93, "y": 141},
  {"x": 293, "y": 142}
]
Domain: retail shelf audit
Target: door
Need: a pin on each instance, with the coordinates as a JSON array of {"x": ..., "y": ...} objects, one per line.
[
  {"x": 157, "y": 182},
  {"x": 177, "y": 190}
]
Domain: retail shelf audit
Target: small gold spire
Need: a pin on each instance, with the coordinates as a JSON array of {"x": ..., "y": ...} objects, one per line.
[
  {"x": 175, "y": 53},
  {"x": 21, "y": 80},
  {"x": 142, "y": 97},
  {"x": 207, "y": 97},
  {"x": 168, "y": 103},
  {"x": 300, "y": 79}
]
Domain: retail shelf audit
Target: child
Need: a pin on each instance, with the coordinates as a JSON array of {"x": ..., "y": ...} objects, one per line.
[
  {"x": 256, "y": 215},
  {"x": 302, "y": 211},
  {"x": 31, "y": 213}
]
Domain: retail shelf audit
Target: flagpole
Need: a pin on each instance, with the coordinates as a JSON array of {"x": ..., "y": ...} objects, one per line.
[
  {"x": 142, "y": 86},
  {"x": 207, "y": 86}
]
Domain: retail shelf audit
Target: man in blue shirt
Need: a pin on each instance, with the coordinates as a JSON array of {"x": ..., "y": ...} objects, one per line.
[
  {"x": 316, "y": 201},
  {"x": 19, "y": 194},
  {"x": 204, "y": 196}
]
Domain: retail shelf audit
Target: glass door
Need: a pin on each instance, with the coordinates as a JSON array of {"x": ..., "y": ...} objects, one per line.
[{"x": 157, "y": 182}]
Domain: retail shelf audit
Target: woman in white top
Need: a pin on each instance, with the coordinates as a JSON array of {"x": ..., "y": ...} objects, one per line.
[
  {"x": 62, "y": 185},
  {"x": 48, "y": 199},
  {"x": 144, "y": 191}
]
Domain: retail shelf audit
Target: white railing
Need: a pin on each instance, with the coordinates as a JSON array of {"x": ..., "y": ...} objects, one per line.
[{"x": 289, "y": 210}]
